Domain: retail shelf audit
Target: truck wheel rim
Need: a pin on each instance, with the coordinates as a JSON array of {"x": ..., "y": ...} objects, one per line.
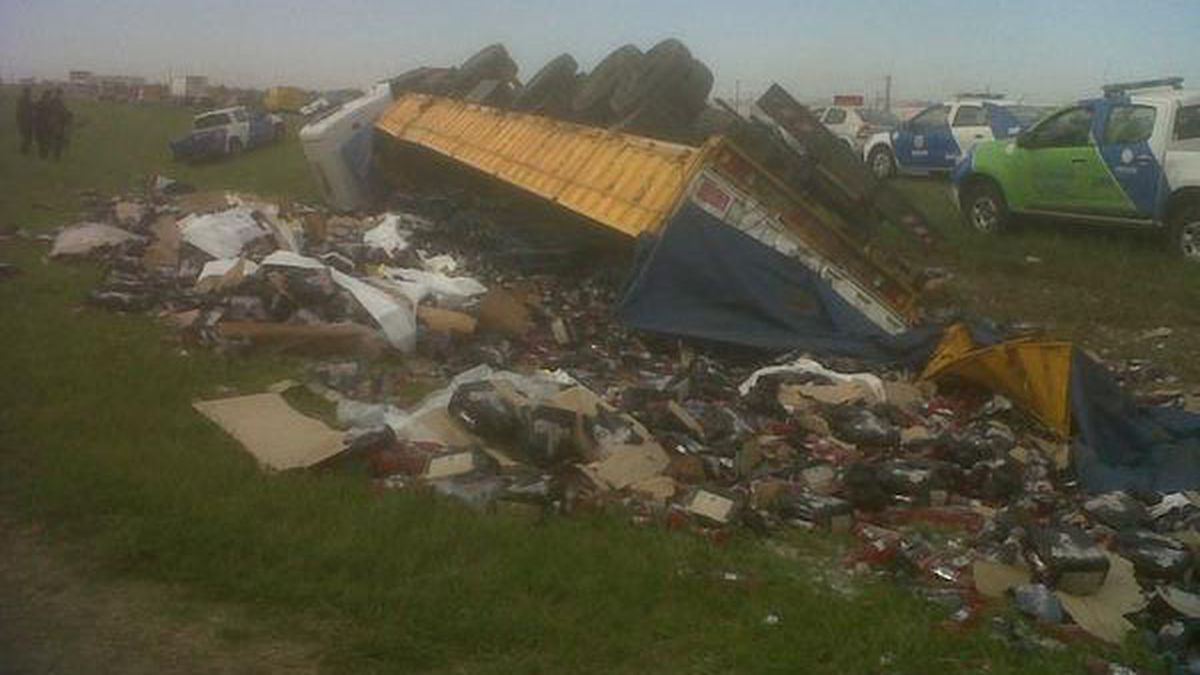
[
  {"x": 882, "y": 165},
  {"x": 1189, "y": 240},
  {"x": 984, "y": 214}
]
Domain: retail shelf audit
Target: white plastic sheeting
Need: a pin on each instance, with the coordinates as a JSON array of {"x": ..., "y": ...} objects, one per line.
[
  {"x": 223, "y": 234},
  {"x": 397, "y": 318},
  {"x": 806, "y": 365},
  {"x": 290, "y": 259},
  {"x": 387, "y": 235},
  {"x": 84, "y": 238},
  {"x": 421, "y": 423},
  {"x": 221, "y": 267},
  {"x": 420, "y": 284}
]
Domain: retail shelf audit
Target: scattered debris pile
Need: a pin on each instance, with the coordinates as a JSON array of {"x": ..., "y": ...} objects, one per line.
[{"x": 537, "y": 401}]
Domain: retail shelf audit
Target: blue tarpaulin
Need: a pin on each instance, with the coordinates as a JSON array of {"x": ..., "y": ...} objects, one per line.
[
  {"x": 1119, "y": 445},
  {"x": 704, "y": 279}
]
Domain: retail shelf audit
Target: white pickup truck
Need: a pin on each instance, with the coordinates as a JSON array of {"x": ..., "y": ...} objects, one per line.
[
  {"x": 939, "y": 136},
  {"x": 227, "y": 131}
]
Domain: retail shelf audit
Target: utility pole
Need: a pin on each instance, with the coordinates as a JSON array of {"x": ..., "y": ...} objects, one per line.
[
  {"x": 887, "y": 93},
  {"x": 737, "y": 96}
]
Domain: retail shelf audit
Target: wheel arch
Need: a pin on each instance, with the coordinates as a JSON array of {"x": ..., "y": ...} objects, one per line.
[
  {"x": 976, "y": 178},
  {"x": 1181, "y": 199},
  {"x": 872, "y": 146}
]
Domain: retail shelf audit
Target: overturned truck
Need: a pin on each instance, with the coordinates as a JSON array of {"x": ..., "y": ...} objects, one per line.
[{"x": 760, "y": 237}]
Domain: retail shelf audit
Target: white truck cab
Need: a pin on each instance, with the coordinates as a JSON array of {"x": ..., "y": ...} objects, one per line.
[
  {"x": 337, "y": 146},
  {"x": 853, "y": 123}
]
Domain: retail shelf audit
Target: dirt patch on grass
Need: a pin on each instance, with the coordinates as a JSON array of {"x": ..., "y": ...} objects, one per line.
[{"x": 58, "y": 616}]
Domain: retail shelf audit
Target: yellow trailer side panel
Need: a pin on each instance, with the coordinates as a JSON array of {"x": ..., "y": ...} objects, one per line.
[{"x": 628, "y": 183}]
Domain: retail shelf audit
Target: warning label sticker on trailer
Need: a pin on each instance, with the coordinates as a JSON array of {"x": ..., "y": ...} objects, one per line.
[{"x": 714, "y": 198}]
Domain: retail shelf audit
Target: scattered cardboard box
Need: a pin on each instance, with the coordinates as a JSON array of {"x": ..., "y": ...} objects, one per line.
[
  {"x": 502, "y": 312},
  {"x": 1103, "y": 614},
  {"x": 446, "y": 320},
  {"x": 272, "y": 431}
]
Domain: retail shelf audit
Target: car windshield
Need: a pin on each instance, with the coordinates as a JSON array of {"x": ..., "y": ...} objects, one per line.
[
  {"x": 1027, "y": 115},
  {"x": 881, "y": 118},
  {"x": 211, "y": 120}
]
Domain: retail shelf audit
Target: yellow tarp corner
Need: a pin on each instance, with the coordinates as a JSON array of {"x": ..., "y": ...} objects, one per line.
[{"x": 1034, "y": 374}]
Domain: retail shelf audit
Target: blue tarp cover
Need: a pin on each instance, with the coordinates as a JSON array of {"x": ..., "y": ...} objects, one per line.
[
  {"x": 702, "y": 278},
  {"x": 1119, "y": 445}
]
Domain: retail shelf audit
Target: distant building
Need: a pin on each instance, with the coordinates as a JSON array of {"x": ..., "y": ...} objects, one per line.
[
  {"x": 152, "y": 93},
  {"x": 81, "y": 83},
  {"x": 119, "y": 87},
  {"x": 112, "y": 87},
  {"x": 188, "y": 88}
]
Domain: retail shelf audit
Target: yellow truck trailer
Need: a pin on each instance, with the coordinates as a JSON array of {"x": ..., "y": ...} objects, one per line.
[{"x": 285, "y": 99}]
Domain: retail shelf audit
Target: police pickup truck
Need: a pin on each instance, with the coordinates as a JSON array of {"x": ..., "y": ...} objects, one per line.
[
  {"x": 227, "y": 131},
  {"x": 1130, "y": 157},
  {"x": 936, "y": 138}
]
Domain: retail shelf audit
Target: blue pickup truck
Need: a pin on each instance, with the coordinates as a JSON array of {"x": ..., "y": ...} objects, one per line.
[{"x": 227, "y": 131}]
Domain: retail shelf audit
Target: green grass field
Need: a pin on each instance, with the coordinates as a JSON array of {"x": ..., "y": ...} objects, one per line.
[
  {"x": 1097, "y": 287},
  {"x": 99, "y": 445}
]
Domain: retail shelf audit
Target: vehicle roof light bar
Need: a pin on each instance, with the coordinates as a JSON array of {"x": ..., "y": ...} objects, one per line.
[{"x": 1123, "y": 87}]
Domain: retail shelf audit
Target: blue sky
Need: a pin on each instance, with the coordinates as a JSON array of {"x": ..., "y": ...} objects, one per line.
[{"x": 1046, "y": 50}]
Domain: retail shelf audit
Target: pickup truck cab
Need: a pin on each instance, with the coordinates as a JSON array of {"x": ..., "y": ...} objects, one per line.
[
  {"x": 1129, "y": 158},
  {"x": 855, "y": 124},
  {"x": 227, "y": 131},
  {"x": 936, "y": 138}
]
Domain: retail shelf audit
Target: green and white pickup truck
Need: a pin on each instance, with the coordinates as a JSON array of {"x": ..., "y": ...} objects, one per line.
[{"x": 1128, "y": 158}]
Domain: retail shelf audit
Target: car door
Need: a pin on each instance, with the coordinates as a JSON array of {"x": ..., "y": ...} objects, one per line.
[
  {"x": 1059, "y": 158},
  {"x": 240, "y": 127},
  {"x": 1125, "y": 132},
  {"x": 262, "y": 129},
  {"x": 971, "y": 125},
  {"x": 836, "y": 120},
  {"x": 923, "y": 141}
]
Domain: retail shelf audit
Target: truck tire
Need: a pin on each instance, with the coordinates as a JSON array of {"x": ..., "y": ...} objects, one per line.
[
  {"x": 1185, "y": 230},
  {"x": 424, "y": 80},
  {"x": 656, "y": 120},
  {"x": 882, "y": 162},
  {"x": 660, "y": 74},
  {"x": 711, "y": 122},
  {"x": 235, "y": 146},
  {"x": 551, "y": 89},
  {"x": 490, "y": 63},
  {"x": 591, "y": 101},
  {"x": 692, "y": 96},
  {"x": 984, "y": 208}
]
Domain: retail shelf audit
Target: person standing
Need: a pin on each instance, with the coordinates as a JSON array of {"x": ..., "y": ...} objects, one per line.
[
  {"x": 60, "y": 124},
  {"x": 43, "y": 124},
  {"x": 25, "y": 119}
]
